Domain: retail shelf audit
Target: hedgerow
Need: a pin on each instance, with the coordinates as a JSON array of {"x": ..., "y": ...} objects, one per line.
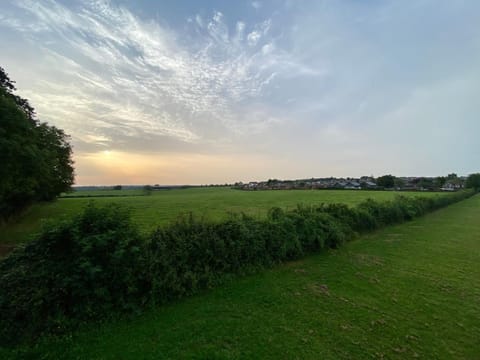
[
  {"x": 77, "y": 269},
  {"x": 97, "y": 263}
]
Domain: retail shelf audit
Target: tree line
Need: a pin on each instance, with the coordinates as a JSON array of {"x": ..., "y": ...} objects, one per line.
[
  {"x": 36, "y": 158},
  {"x": 391, "y": 181}
]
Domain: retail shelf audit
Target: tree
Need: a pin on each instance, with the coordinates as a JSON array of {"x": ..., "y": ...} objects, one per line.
[
  {"x": 5, "y": 83},
  {"x": 35, "y": 157},
  {"x": 440, "y": 181},
  {"x": 147, "y": 190},
  {"x": 7, "y": 88},
  {"x": 386, "y": 181},
  {"x": 399, "y": 183},
  {"x": 426, "y": 183},
  {"x": 473, "y": 181},
  {"x": 56, "y": 166}
]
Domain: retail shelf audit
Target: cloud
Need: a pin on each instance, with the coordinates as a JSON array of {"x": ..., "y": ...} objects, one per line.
[
  {"x": 320, "y": 85},
  {"x": 240, "y": 29},
  {"x": 217, "y": 28},
  {"x": 130, "y": 76},
  {"x": 256, "y": 4},
  {"x": 253, "y": 38}
]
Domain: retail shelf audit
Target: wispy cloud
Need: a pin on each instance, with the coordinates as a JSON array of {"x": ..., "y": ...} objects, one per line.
[
  {"x": 129, "y": 73},
  {"x": 330, "y": 88},
  {"x": 256, "y": 4}
]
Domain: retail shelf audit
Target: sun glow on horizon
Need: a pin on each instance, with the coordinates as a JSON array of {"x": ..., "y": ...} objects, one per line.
[{"x": 109, "y": 167}]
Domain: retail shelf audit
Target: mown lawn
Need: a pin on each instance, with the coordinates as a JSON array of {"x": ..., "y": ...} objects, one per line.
[
  {"x": 165, "y": 205},
  {"x": 407, "y": 291}
]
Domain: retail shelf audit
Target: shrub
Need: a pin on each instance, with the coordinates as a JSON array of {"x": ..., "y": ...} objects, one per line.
[{"x": 75, "y": 269}]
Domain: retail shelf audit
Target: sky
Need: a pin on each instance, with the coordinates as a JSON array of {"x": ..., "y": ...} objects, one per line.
[{"x": 200, "y": 92}]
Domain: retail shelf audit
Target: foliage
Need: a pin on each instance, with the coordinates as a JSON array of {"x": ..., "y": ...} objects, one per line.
[
  {"x": 399, "y": 183},
  {"x": 5, "y": 83},
  {"x": 75, "y": 269},
  {"x": 96, "y": 263},
  {"x": 426, "y": 183},
  {"x": 440, "y": 181},
  {"x": 147, "y": 190},
  {"x": 473, "y": 181},
  {"x": 7, "y": 88},
  {"x": 386, "y": 181},
  {"x": 35, "y": 157}
]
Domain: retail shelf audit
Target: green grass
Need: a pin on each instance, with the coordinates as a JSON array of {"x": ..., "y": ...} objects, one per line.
[
  {"x": 407, "y": 291},
  {"x": 103, "y": 192},
  {"x": 165, "y": 205}
]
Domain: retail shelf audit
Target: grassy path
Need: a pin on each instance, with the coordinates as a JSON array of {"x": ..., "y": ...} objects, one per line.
[{"x": 407, "y": 291}]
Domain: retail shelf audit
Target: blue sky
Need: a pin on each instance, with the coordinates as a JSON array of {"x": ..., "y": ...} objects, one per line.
[{"x": 221, "y": 91}]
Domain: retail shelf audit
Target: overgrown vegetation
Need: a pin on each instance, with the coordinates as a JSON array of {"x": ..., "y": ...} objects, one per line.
[
  {"x": 75, "y": 269},
  {"x": 97, "y": 263},
  {"x": 35, "y": 157},
  {"x": 473, "y": 181}
]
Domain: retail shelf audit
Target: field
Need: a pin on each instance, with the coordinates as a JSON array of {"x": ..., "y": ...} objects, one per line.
[
  {"x": 163, "y": 206},
  {"x": 407, "y": 291}
]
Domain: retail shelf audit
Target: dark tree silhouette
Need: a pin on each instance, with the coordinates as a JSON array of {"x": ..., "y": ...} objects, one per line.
[
  {"x": 386, "y": 181},
  {"x": 473, "y": 181},
  {"x": 35, "y": 157}
]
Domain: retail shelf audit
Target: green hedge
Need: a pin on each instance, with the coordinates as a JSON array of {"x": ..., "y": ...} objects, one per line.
[
  {"x": 74, "y": 270},
  {"x": 97, "y": 263}
]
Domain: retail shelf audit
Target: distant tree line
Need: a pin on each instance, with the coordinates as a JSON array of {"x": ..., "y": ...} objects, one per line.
[
  {"x": 451, "y": 182},
  {"x": 35, "y": 157},
  {"x": 473, "y": 181},
  {"x": 428, "y": 183}
]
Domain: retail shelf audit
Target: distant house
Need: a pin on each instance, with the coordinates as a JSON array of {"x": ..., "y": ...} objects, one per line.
[
  {"x": 313, "y": 183},
  {"x": 338, "y": 184},
  {"x": 452, "y": 186},
  {"x": 352, "y": 185},
  {"x": 252, "y": 185},
  {"x": 368, "y": 185}
]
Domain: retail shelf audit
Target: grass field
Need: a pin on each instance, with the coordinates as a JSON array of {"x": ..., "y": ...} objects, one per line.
[
  {"x": 165, "y": 205},
  {"x": 103, "y": 192},
  {"x": 407, "y": 291}
]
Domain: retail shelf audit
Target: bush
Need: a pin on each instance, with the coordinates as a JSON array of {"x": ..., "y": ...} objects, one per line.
[{"x": 75, "y": 269}]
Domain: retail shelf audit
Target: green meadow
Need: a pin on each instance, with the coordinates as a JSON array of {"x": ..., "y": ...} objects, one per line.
[
  {"x": 406, "y": 291},
  {"x": 163, "y": 206}
]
